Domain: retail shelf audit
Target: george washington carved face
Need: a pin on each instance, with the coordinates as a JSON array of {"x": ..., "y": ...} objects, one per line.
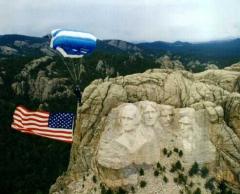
[{"x": 128, "y": 117}]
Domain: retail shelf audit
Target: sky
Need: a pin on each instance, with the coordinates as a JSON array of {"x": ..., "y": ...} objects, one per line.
[{"x": 130, "y": 20}]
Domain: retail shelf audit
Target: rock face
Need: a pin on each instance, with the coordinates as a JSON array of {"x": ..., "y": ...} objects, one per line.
[
  {"x": 161, "y": 131},
  {"x": 211, "y": 66},
  {"x": 228, "y": 80},
  {"x": 234, "y": 67},
  {"x": 122, "y": 45},
  {"x": 166, "y": 63},
  {"x": 19, "y": 43},
  {"x": 41, "y": 84},
  {"x": 6, "y": 50}
]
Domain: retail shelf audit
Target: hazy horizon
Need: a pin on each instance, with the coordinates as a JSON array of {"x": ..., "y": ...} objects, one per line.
[
  {"x": 129, "y": 20},
  {"x": 143, "y": 41}
]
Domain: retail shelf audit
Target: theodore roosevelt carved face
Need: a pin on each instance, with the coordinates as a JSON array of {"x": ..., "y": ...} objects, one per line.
[{"x": 166, "y": 115}]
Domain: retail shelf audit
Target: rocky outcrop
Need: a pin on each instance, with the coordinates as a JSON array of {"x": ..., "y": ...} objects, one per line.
[
  {"x": 233, "y": 67},
  {"x": 165, "y": 62},
  {"x": 44, "y": 88},
  {"x": 211, "y": 66},
  {"x": 122, "y": 45},
  {"x": 6, "y": 50},
  {"x": 20, "y": 44},
  {"x": 104, "y": 68},
  {"x": 228, "y": 80},
  {"x": 19, "y": 88},
  {"x": 39, "y": 79},
  {"x": 160, "y": 131}
]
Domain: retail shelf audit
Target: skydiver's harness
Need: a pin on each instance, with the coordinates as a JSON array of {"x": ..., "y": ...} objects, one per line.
[{"x": 78, "y": 93}]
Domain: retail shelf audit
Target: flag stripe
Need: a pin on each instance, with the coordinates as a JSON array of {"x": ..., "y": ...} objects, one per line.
[
  {"x": 18, "y": 124},
  {"x": 54, "y": 131},
  {"x": 27, "y": 110},
  {"x": 30, "y": 122},
  {"x": 32, "y": 112},
  {"x": 44, "y": 132},
  {"x": 32, "y": 127},
  {"x": 38, "y": 123},
  {"x": 68, "y": 140},
  {"x": 35, "y": 113},
  {"x": 29, "y": 126},
  {"x": 21, "y": 130},
  {"x": 30, "y": 117},
  {"x": 61, "y": 139},
  {"x": 53, "y": 135}
]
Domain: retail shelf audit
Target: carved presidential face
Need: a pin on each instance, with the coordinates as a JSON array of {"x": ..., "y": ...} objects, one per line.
[
  {"x": 166, "y": 117},
  {"x": 185, "y": 124},
  {"x": 150, "y": 115},
  {"x": 128, "y": 117}
]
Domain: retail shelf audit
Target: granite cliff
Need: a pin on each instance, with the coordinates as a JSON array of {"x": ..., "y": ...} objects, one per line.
[{"x": 161, "y": 131}]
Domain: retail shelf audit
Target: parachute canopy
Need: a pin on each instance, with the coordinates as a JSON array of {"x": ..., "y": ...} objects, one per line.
[{"x": 72, "y": 44}]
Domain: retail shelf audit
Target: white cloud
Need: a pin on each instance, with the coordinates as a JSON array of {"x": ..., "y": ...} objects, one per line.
[{"x": 133, "y": 20}]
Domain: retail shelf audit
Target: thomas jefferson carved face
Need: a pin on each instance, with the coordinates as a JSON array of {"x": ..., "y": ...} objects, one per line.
[
  {"x": 150, "y": 115},
  {"x": 128, "y": 117},
  {"x": 166, "y": 117}
]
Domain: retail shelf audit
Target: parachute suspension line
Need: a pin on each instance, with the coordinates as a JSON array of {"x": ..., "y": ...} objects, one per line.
[
  {"x": 74, "y": 71},
  {"x": 71, "y": 72},
  {"x": 77, "y": 72},
  {"x": 68, "y": 68},
  {"x": 80, "y": 70},
  {"x": 73, "y": 47}
]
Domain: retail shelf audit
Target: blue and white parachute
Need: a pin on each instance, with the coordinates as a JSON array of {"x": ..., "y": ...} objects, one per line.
[{"x": 72, "y": 44}]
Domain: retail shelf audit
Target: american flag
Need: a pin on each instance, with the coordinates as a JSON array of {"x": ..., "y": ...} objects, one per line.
[{"x": 58, "y": 126}]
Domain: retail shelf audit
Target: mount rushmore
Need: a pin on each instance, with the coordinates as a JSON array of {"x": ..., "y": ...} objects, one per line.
[{"x": 146, "y": 133}]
